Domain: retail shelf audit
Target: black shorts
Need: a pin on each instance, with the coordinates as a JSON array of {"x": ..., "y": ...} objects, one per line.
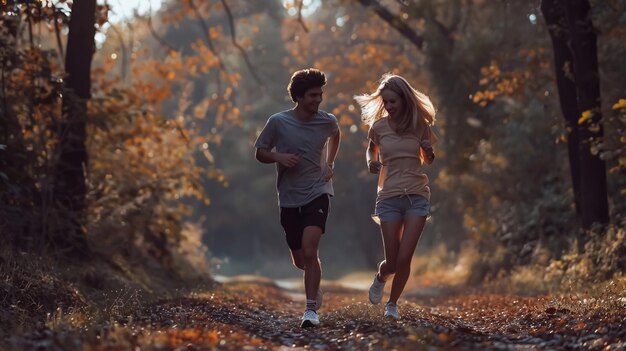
[{"x": 294, "y": 220}]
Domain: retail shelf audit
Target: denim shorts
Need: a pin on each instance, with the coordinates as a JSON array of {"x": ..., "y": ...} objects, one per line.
[{"x": 395, "y": 208}]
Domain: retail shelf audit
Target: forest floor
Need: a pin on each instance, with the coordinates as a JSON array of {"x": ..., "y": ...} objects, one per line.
[{"x": 258, "y": 314}]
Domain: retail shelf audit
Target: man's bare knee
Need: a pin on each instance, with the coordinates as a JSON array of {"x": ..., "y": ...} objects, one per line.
[
  {"x": 297, "y": 258},
  {"x": 310, "y": 255},
  {"x": 299, "y": 265}
]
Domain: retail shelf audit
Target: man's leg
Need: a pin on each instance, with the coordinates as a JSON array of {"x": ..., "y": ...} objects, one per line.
[
  {"x": 312, "y": 270},
  {"x": 291, "y": 220},
  {"x": 314, "y": 221},
  {"x": 297, "y": 257}
]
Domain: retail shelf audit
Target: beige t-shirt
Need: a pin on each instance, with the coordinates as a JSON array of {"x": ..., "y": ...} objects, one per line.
[{"x": 402, "y": 160}]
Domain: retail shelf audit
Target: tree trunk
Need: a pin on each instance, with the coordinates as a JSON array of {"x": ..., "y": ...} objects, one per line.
[
  {"x": 593, "y": 191},
  {"x": 554, "y": 14},
  {"x": 70, "y": 188}
]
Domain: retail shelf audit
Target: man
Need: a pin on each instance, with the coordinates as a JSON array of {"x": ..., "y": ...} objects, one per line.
[{"x": 299, "y": 137}]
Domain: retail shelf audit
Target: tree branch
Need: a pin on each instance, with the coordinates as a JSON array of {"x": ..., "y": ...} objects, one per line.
[
  {"x": 57, "y": 31},
  {"x": 300, "y": 20},
  {"x": 233, "y": 38},
  {"x": 205, "y": 28},
  {"x": 612, "y": 21},
  {"x": 120, "y": 37},
  {"x": 394, "y": 21},
  {"x": 155, "y": 35}
]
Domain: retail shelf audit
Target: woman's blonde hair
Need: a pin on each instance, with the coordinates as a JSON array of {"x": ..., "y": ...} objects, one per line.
[{"x": 418, "y": 109}]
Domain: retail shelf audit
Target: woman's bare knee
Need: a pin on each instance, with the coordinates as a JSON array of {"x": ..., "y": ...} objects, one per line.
[
  {"x": 388, "y": 268},
  {"x": 403, "y": 263}
]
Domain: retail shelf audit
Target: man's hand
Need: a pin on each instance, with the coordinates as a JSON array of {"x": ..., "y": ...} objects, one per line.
[
  {"x": 287, "y": 160},
  {"x": 329, "y": 172},
  {"x": 374, "y": 166}
]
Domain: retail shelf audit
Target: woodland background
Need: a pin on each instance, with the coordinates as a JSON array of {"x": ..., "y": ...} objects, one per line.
[{"x": 126, "y": 147}]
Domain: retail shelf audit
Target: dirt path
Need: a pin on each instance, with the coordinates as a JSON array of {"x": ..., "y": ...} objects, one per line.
[{"x": 263, "y": 316}]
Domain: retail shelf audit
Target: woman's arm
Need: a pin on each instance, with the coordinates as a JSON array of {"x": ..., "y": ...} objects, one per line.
[
  {"x": 429, "y": 152},
  {"x": 371, "y": 156}
]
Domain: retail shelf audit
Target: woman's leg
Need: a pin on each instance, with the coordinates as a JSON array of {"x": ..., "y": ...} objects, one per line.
[
  {"x": 391, "y": 234},
  {"x": 413, "y": 226}
]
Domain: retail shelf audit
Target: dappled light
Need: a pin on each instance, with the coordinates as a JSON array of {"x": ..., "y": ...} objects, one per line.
[{"x": 143, "y": 165}]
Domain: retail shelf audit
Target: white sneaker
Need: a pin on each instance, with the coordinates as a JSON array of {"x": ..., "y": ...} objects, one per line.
[
  {"x": 310, "y": 319},
  {"x": 376, "y": 290},
  {"x": 391, "y": 311},
  {"x": 319, "y": 299}
]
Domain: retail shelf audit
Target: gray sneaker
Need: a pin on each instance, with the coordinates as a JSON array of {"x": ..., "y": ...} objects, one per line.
[
  {"x": 319, "y": 299},
  {"x": 310, "y": 319},
  {"x": 376, "y": 291},
  {"x": 391, "y": 311}
]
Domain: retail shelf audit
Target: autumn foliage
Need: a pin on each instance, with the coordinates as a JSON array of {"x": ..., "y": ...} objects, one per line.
[{"x": 179, "y": 93}]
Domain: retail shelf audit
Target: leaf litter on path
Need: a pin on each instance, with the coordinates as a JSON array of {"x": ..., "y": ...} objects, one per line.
[{"x": 262, "y": 316}]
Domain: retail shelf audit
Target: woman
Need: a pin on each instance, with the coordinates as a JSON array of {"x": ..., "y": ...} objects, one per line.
[{"x": 400, "y": 142}]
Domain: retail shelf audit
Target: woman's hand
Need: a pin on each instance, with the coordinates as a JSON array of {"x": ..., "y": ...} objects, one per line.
[
  {"x": 428, "y": 151},
  {"x": 374, "y": 166},
  {"x": 430, "y": 155}
]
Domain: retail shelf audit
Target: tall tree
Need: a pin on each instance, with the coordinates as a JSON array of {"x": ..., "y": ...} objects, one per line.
[
  {"x": 575, "y": 53},
  {"x": 70, "y": 187},
  {"x": 554, "y": 15}
]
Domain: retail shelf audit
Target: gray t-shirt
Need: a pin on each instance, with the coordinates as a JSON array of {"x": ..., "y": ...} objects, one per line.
[{"x": 303, "y": 182}]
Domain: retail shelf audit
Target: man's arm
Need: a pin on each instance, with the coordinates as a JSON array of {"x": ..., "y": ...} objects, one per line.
[
  {"x": 267, "y": 156},
  {"x": 333, "y": 148},
  {"x": 331, "y": 154}
]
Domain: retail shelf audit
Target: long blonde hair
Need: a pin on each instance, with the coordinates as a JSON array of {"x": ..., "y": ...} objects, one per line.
[{"x": 418, "y": 109}]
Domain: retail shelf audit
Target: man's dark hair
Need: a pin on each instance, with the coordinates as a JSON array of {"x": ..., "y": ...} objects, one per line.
[{"x": 303, "y": 80}]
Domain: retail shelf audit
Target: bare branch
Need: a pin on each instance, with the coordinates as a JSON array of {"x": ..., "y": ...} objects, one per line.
[
  {"x": 120, "y": 37},
  {"x": 394, "y": 21},
  {"x": 30, "y": 26},
  {"x": 155, "y": 34},
  {"x": 300, "y": 20},
  {"x": 233, "y": 38},
  {"x": 612, "y": 21},
  {"x": 57, "y": 31},
  {"x": 131, "y": 45},
  {"x": 456, "y": 16},
  {"x": 447, "y": 32}
]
